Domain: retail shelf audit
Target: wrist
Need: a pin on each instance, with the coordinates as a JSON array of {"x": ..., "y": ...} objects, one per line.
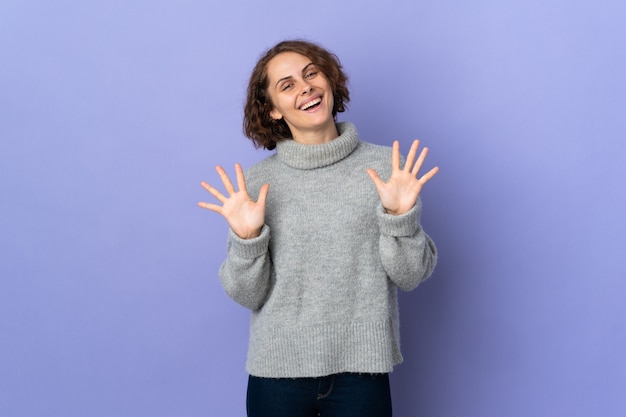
[
  {"x": 394, "y": 212},
  {"x": 253, "y": 234}
]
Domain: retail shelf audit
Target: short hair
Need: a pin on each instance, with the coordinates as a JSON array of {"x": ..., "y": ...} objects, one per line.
[{"x": 258, "y": 125}]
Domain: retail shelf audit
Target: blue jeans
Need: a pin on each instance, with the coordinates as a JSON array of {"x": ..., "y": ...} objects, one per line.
[{"x": 340, "y": 395}]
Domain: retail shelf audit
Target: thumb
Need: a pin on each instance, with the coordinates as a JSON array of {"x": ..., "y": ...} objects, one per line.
[
  {"x": 263, "y": 194},
  {"x": 375, "y": 178}
]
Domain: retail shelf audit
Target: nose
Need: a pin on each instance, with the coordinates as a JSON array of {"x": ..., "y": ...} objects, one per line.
[{"x": 307, "y": 88}]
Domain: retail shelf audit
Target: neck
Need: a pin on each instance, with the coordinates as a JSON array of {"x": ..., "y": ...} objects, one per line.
[
  {"x": 316, "y": 136},
  {"x": 304, "y": 156}
]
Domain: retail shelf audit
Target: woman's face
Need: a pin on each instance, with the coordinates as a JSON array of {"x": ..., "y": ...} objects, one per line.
[{"x": 301, "y": 95}]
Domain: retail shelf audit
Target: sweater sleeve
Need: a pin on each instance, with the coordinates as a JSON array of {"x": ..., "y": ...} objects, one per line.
[
  {"x": 245, "y": 274},
  {"x": 408, "y": 254}
]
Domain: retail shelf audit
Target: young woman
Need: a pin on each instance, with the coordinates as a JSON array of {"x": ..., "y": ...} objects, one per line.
[{"x": 318, "y": 257}]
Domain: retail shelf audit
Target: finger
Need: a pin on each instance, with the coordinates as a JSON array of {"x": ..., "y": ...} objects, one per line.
[
  {"x": 214, "y": 192},
  {"x": 395, "y": 155},
  {"x": 263, "y": 194},
  {"x": 420, "y": 161},
  {"x": 225, "y": 180},
  {"x": 411, "y": 156},
  {"x": 427, "y": 177},
  {"x": 241, "y": 180},
  {"x": 209, "y": 206}
]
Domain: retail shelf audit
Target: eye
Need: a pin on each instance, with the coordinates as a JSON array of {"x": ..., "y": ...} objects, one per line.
[
  {"x": 286, "y": 86},
  {"x": 311, "y": 74}
]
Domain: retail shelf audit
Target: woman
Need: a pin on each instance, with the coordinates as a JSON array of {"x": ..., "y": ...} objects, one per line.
[{"x": 319, "y": 257}]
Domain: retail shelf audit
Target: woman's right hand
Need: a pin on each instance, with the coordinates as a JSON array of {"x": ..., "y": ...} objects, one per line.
[{"x": 244, "y": 216}]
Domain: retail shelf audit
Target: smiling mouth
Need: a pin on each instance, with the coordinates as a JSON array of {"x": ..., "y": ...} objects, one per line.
[{"x": 311, "y": 104}]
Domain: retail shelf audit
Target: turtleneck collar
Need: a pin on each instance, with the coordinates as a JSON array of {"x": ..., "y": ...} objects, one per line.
[{"x": 300, "y": 156}]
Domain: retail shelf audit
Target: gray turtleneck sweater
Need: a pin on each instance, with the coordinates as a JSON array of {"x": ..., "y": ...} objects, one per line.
[{"x": 321, "y": 278}]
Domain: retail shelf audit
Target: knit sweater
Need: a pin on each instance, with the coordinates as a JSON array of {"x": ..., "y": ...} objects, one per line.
[{"x": 321, "y": 278}]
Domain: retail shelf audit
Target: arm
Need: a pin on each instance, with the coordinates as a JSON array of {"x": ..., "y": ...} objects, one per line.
[
  {"x": 245, "y": 274},
  {"x": 407, "y": 253}
]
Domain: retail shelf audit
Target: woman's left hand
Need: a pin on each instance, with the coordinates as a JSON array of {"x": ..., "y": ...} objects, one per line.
[{"x": 400, "y": 193}]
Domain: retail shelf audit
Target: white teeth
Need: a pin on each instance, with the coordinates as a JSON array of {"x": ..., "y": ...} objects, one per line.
[{"x": 311, "y": 103}]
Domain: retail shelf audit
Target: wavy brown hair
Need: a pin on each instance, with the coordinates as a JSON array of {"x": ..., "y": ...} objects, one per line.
[{"x": 257, "y": 123}]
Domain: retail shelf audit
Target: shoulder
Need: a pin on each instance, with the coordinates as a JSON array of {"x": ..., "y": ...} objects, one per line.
[
  {"x": 364, "y": 148},
  {"x": 374, "y": 150},
  {"x": 263, "y": 165},
  {"x": 374, "y": 156},
  {"x": 260, "y": 173}
]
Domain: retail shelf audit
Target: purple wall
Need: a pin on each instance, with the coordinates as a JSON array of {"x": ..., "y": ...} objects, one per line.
[{"x": 111, "y": 112}]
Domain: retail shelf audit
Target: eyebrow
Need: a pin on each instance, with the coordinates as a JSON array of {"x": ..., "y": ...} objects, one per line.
[{"x": 291, "y": 76}]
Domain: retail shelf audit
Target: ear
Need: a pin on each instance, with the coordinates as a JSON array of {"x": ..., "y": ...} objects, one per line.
[{"x": 275, "y": 114}]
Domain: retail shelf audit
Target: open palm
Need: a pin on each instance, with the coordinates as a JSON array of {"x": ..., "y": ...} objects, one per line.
[
  {"x": 400, "y": 193},
  {"x": 244, "y": 215}
]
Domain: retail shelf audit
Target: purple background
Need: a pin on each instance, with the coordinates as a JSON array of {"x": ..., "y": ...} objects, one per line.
[{"x": 112, "y": 112}]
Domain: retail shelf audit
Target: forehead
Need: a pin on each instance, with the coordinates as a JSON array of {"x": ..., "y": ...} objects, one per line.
[{"x": 286, "y": 64}]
